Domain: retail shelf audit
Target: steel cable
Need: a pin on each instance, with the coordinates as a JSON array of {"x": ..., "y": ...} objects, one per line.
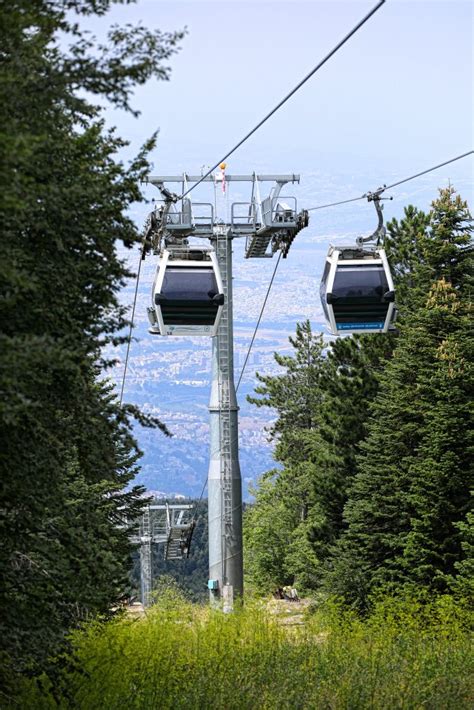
[
  {"x": 395, "y": 184},
  {"x": 258, "y": 321},
  {"x": 129, "y": 340},
  {"x": 423, "y": 172},
  {"x": 288, "y": 96}
]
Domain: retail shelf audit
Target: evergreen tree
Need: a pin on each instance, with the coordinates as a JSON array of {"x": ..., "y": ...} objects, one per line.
[
  {"x": 273, "y": 549},
  {"x": 325, "y": 462},
  {"x": 297, "y": 516},
  {"x": 412, "y": 488},
  {"x": 295, "y": 394},
  {"x": 404, "y": 244},
  {"x": 350, "y": 383},
  {"x": 67, "y": 449},
  {"x": 269, "y": 527},
  {"x": 462, "y": 583},
  {"x": 443, "y": 474}
]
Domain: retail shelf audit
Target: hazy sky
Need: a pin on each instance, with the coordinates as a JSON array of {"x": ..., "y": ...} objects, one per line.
[{"x": 396, "y": 98}]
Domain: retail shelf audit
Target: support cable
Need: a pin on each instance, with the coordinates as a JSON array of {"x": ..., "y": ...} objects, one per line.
[
  {"x": 137, "y": 281},
  {"x": 288, "y": 96},
  {"x": 395, "y": 184},
  {"x": 258, "y": 321},
  {"x": 203, "y": 489},
  {"x": 400, "y": 182},
  {"x": 334, "y": 204},
  {"x": 250, "y": 346}
]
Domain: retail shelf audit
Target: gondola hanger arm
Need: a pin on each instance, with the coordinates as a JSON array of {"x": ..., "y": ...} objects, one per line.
[
  {"x": 167, "y": 195},
  {"x": 379, "y": 233}
]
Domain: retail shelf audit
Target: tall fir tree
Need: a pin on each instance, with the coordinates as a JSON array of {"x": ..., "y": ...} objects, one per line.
[
  {"x": 412, "y": 489},
  {"x": 67, "y": 448},
  {"x": 462, "y": 582},
  {"x": 273, "y": 548},
  {"x": 350, "y": 383},
  {"x": 295, "y": 394},
  {"x": 297, "y": 516}
]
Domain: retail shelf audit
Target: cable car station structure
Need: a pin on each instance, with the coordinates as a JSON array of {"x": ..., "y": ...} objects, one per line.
[{"x": 192, "y": 294}]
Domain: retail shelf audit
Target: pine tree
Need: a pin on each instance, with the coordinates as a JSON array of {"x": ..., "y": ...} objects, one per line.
[
  {"x": 269, "y": 525},
  {"x": 298, "y": 512},
  {"x": 462, "y": 583},
  {"x": 443, "y": 474},
  {"x": 295, "y": 394},
  {"x": 404, "y": 244},
  {"x": 350, "y": 383}
]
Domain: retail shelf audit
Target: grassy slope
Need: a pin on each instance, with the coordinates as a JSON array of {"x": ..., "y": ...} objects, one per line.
[{"x": 406, "y": 655}]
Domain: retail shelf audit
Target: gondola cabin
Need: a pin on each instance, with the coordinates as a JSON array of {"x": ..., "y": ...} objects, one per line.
[
  {"x": 357, "y": 292},
  {"x": 187, "y": 294}
]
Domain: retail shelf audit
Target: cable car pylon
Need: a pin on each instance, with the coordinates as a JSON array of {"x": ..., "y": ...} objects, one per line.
[
  {"x": 194, "y": 284},
  {"x": 224, "y": 478}
]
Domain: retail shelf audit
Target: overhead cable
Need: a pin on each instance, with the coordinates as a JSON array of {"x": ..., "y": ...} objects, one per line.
[
  {"x": 129, "y": 339},
  {"x": 334, "y": 204},
  {"x": 250, "y": 347},
  {"x": 400, "y": 182},
  {"x": 395, "y": 184},
  {"x": 288, "y": 96},
  {"x": 203, "y": 489},
  {"x": 258, "y": 321}
]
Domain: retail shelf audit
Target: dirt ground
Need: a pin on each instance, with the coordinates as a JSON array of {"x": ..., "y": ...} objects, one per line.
[{"x": 289, "y": 613}]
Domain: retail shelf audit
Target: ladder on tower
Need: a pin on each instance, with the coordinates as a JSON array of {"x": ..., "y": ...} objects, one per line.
[
  {"x": 146, "y": 557},
  {"x": 225, "y": 402}
]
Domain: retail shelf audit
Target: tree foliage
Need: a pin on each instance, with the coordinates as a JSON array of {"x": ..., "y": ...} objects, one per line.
[
  {"x": 322, "y": 412},
  {"x": 386, "y": 463},
  {"x": 67, "y": 453},
  {"x": 412, "y": 490}
]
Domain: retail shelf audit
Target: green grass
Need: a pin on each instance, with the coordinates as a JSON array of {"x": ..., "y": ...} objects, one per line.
[{"x": 406, "y": 655}]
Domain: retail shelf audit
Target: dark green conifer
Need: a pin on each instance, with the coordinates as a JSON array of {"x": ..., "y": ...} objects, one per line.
[
  {"x": 67, "y": 449},
  {"x": 412, "y": 489},
  {"x": 462, "y": 583},
  {"x": 298, "y": 512},
  {"x": 276, "y": 546}
]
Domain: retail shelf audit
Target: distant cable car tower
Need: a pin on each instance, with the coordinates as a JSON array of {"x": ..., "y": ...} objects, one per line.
[{"x": 171, "y": 525}]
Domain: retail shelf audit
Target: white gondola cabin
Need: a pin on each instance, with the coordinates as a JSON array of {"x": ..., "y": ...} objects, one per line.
[
  {"x": 187, "y": 294},
  {"x": 357, "y": 292}
]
